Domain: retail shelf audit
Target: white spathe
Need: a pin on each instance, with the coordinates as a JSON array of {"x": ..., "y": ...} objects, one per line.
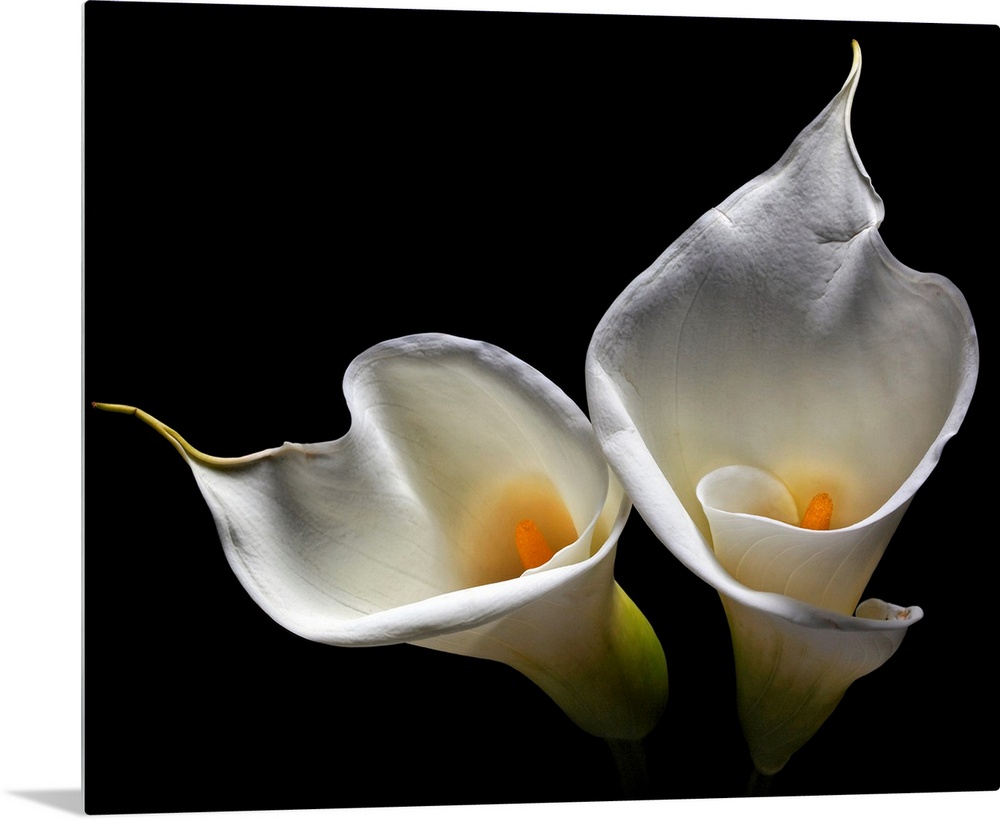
[
  {"x": 774, "y": 351},
  {"x": 403, "y": 529}
]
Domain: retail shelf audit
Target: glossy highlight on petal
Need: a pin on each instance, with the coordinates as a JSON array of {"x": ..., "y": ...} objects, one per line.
[{"x": 774, "y": 352}]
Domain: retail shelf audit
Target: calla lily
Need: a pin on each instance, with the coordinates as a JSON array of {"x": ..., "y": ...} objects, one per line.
[
  {"x": 774, "y": 353},
  {"x": 460, "y": 459}
]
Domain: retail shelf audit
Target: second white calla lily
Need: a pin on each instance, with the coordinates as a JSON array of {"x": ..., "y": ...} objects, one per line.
[
  {"x": 776, "y": 352},
  {"x": 407, "y": 528}
]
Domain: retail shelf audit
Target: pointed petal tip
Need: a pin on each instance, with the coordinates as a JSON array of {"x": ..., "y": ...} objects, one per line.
[{"x": 852, "y": 75}]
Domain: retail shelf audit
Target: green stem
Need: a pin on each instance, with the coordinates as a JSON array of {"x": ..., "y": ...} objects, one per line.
[
  {"x": 759, "y": 785},
  {"x": 630, "y": 760}
]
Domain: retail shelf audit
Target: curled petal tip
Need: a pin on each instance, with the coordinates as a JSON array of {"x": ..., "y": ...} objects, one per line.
[
  {"x": 171, "y": 435},
  {"x": 875, "y": 609}
]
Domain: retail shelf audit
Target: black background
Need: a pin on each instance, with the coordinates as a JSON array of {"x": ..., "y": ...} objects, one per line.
[{"x": 270, "y": 191}]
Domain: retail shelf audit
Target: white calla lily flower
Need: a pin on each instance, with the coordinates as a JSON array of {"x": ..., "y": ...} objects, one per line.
[
  {"x": 469, "y": 509},
  {"x": 775, "y": 353}
]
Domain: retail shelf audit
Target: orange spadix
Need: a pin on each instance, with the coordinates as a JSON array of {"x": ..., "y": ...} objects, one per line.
[
  {"x": 531, "y": 544},
  {"x": 819, "y": 512}
]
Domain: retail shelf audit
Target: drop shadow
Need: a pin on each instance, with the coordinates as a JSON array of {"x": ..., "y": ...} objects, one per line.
[{"x": 68, "y": 800}]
